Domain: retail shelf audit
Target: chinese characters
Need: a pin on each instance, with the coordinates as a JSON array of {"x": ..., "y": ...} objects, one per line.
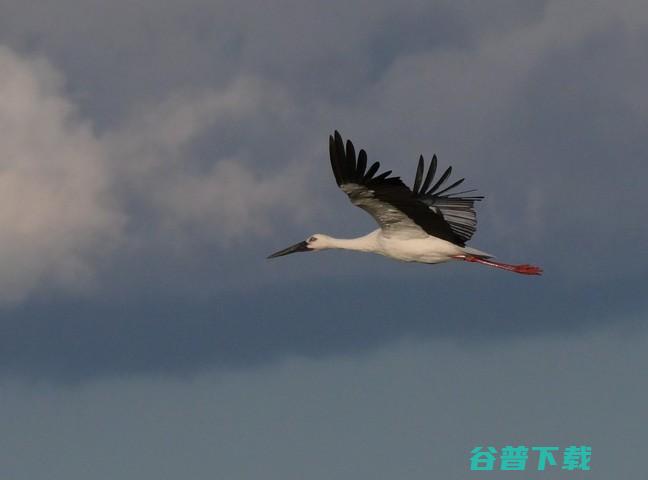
[{"x": 517, "y": 458}]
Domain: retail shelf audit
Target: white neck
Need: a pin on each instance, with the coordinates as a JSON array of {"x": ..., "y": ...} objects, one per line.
[{"x": 366, "y": 243}]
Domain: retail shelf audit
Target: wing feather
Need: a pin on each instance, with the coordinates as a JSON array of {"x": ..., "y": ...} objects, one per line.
[
  {"x": 458, "y": 211},
  {"x": 362, "y": 164},
  {"x": 397, "y": 209},
  {"x": 443, "y": 178},
  {"x": 419, "y": 175},
  {"x": 371, "y": 172},
  {"x": 430, "y": 174}
]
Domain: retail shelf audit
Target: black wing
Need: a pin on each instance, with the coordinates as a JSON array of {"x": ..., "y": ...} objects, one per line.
[
  {"x": 457, "y": 209},
  {"x": 397, "y": 209}
]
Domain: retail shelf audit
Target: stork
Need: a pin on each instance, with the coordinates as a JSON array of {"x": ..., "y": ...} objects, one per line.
[{"x": 427, "y": 224}]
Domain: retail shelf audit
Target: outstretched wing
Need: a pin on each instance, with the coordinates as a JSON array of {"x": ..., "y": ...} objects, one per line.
[
  {"x": 456, "y": 209},
  {"x": 398, "y": 210}
]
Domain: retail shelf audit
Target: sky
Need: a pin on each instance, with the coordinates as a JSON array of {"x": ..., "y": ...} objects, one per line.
[{"x": 154, "y": 153}]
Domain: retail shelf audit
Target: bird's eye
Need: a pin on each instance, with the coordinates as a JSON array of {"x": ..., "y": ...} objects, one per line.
[{"x": 312, "y": 239}]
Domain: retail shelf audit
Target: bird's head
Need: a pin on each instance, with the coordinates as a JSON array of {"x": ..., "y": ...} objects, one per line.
[{"x": 313, "y": 243}]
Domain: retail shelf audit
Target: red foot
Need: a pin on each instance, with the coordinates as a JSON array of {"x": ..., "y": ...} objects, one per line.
[
  {"x": 528, "y": 270},
  {"x": 523, "y": 269}
]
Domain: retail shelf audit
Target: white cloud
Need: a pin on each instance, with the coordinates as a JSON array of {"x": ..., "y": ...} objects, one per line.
[
  {"x": 229, "y": 201},
  {"x": 55, "y": 208},
  {"x": 215, "y": 199},
  {"x": 61, "y": 185}
]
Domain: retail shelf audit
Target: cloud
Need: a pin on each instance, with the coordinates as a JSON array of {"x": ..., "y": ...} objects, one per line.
[
  {"x": 56, "y": 210},
  {"x": 70, "y": 197},
  {"x": 210, "y": 123},
  {"x": 217, "y": 198}
]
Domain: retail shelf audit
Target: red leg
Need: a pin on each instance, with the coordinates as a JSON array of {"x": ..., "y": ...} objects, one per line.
[{"x": 523, "y": 269}]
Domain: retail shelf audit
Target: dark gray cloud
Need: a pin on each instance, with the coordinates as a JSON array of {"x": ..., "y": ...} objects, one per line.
[
  {"x": 155, "y": 332},
  {"x": 540, "y": 105},
  {"x": 118, "y": 54}
]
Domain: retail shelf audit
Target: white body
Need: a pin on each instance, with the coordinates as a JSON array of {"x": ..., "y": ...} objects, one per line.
[{"x": 421, "y": 249}]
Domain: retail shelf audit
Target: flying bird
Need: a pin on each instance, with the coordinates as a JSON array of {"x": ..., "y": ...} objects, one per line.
[{"x": 428, "y": 223}]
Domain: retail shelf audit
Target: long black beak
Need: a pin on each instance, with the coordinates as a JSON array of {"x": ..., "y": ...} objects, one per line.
[{"x": 298, "y": 247}]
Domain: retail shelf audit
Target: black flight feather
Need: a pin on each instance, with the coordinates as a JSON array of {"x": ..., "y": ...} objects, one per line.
[
  {"x": 443, "y": 178},
  {"x": 381, "y": 177},
  {"x": 458, "y": 182},
  {"x": 362, "y": 165},
  {"x": 371, "y": 172},
  {"x": 334, "y": 163},
  {"x": 419, "y": 176},
  {"x": 351, "y": 159},
  {"x": 430, "y": 174},
  {"x": 444, "y": 215}
]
